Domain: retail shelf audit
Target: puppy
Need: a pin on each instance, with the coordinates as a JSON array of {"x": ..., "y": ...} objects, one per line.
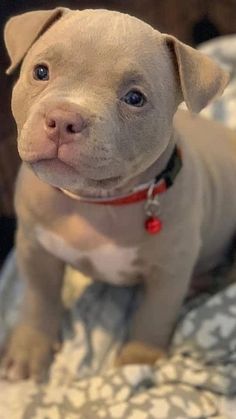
[{"x": 114, "y": 181}]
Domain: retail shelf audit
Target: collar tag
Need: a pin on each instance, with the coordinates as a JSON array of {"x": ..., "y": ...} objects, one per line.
[{"x": 153, "y": 223}]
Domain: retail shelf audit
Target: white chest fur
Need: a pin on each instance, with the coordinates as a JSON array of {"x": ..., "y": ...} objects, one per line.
[{"x": 113, "y": 263}]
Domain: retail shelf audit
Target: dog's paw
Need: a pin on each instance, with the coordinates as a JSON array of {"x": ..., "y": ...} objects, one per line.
[
  {"x": 138, "y": 353},
  {"x": 28, "y": 355}
]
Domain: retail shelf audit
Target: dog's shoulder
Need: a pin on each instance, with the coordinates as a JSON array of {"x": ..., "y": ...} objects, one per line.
[{"x": 200, "y": 131}]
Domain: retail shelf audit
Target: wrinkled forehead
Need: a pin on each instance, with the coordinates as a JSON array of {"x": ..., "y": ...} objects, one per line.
[
  {"x": 103, "y": 30},
  {"x": 100, "y": 40}
]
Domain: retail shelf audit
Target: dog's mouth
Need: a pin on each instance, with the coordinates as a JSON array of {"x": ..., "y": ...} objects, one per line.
[{"x": 62, "y": 175}]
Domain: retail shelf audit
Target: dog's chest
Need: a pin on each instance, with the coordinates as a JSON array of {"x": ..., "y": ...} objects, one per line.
[{"x": 107, "y": 262}]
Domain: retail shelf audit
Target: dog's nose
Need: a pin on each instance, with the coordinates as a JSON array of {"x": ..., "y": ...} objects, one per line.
[{"x": 62, "y": 126}]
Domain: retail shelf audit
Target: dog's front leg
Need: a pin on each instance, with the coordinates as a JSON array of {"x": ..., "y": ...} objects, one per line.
[
  {"x": 156, "y": 316},
  {"x": 33, "y": 341}
]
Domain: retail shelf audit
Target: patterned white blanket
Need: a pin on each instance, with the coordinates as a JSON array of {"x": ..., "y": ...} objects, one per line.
[{"x": 197, "y": 381}]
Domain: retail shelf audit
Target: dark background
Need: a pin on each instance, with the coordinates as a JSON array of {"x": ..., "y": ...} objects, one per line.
[{"x": 192, "y": 21}]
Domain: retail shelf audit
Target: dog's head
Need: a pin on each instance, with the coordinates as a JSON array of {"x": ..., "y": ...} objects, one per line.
[{"x": 97, "y": 93}]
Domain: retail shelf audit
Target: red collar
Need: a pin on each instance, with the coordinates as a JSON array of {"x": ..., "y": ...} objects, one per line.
[
  {"x": 137, "y": 196},
  {"x": 140, "y": 194},
  {"x": 148, "y": 193}
]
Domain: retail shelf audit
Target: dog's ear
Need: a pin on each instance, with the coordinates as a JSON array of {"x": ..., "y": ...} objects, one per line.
[
  {"x": 200, "y": 78},
  {"x": 23, "y": 30}
]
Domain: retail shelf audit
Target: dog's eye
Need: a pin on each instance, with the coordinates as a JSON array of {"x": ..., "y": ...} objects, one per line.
[
  {"x": 134, "y": 98},
  {"x": 41, "y": 72}
]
